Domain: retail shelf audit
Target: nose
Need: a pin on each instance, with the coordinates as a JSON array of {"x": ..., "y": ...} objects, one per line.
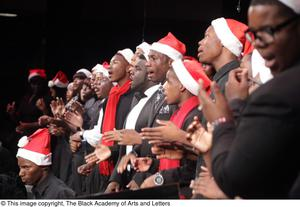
[
  {"x": 165, "y": 85},
  {"x": 21, "y": 173},
  {"x": 200, "y": 42},
  {"x": 130, "y": 70}
]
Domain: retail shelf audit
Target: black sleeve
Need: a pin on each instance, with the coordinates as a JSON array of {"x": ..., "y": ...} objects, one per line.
[
  {"x": 246, "y": 160},
  {"x": 115, "y": 176},
  {"x": 65, "y": 194},
  {"x": 114, "y": 152},
  {"x": 184, "y": 174},
  {"x": 237, "y": 106}
]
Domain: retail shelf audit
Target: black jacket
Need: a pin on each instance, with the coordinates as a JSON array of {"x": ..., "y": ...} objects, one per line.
[{"x": 259, "y": 158}]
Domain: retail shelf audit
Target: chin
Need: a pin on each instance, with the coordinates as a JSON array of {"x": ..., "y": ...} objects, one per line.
[{"x": 169, "y": 102}]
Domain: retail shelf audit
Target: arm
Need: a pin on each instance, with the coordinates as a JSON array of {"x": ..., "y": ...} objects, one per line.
[
  {"x": 251, "y": 154},
  {"x": 94, "y": 135}
]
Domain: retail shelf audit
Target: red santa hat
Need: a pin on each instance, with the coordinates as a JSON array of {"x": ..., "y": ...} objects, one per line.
[
  {"x": 37, "y": 72},
  {"x": 232, "y": 36},
  {"x": 189, "y": 72},
  {"x": 127, "y": 54},
  {"x": 36, "y": 148},
  {"x": 293, "y": 4},
  {"x": 60, "y": 80},
  {"x": 170, "y": 46}
]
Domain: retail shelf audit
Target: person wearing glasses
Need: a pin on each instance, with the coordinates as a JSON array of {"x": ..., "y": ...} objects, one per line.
[{"x": 258, "y": 156}]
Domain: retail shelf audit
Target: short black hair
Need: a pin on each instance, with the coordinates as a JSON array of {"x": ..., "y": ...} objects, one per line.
[
  {"x": 285, "y": 10},
  {"x": 142, "y": 56}
]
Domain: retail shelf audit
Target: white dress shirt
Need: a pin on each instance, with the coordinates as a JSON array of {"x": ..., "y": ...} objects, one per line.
[
  {"x": 136, "y": 110},
  {"x": 93, "y": 136}
]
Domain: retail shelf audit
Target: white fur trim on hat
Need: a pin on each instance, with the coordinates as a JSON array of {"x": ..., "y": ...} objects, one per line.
[
  {"x": 127, "y": 54},
  {"x": 86, "y": 72},
  {"x": 100, "y": 69},
  {"x": 293, "y": 4},
  {"x": 146, "y": 49},
  {"x": 166, "y": 50},
  {"x": 185, "y": 77},
  {"x": 57, "y": 83},
  {"x": 37, "y": 158},
  {"x": 259, "y": 68},
  {"x": 227, "y": 38},
  {"x": 33, "y": 75}
]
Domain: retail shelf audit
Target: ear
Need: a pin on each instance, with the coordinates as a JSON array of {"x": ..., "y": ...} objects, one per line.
[
  {"x": 45, "y": 169},
  {"x": 127, "y": 68},
  {"x": 170, "y": 62},
  {"x": 181, "y": 88}
]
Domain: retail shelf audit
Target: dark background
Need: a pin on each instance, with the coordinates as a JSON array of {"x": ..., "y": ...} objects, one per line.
[{"x": 69, "y": 35}]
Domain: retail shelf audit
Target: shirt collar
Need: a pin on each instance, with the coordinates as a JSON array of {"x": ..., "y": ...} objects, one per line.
[
  {"x": 150, "y": 91},
  {"x": 225, "y": 69}
]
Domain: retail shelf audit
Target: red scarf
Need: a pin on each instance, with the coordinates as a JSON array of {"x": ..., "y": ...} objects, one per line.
[
  {"x": 178, "y": 118},
  {"x": 109, "y": 121}
]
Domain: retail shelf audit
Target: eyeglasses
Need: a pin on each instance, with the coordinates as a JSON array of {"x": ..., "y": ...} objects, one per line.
[{"x": 266, "y": 34}]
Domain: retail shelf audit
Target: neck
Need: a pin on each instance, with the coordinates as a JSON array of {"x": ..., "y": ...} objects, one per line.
[
  {"x": 223, "y": 60},
  {"x": 43, "y": 177},
  {"x": 123, "y": 81},
  {"x": 184, "y": 97}
]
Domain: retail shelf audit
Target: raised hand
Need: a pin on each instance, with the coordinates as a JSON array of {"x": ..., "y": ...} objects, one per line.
[
  {"x": 199, "y": 137},
  {"x": 77, "y": 107},
  {"x": 142, "y": 164},
  {"x": 57, "y": 107},
  {"x": 237, "y": 86},
  {"x": 56, "y": 130},
  {"x": 132, "y": 185},
  {"x": 214, "y": 109},
  {"x": 148, "y": 182},
  {"x": 167, "y": 131},
  {"x": 123, "y": 137},
  {"x": 75, "y": 142},
  {"x": 101, "y": 153},
  {"x": 41, "y": 105},
  {"x": 112, "y": 187},
  {"x": 85, "y": 169},
  {"x": 44, "y": 120},
  {"x": 125, "y": 160},
  {"x": 73, "y": 118}
]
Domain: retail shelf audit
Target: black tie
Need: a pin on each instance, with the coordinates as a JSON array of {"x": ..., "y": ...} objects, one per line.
[
  {"x": 159, "y": 97},
  {"x": 137, "y": 97}
]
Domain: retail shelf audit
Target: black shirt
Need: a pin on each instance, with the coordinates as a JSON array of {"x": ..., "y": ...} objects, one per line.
[
  {"x": 221, "y": 76},
  {"x": 52, "y": 188}
]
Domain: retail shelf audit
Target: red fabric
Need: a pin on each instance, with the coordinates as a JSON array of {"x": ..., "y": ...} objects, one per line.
[
  {"x": 173, "y": 42},
  {"x": 37, "y": 72},
  {"x": 178, "y": 118},
  {"x": 109, "y": 120},
  {"x": 238, "y": 29}
]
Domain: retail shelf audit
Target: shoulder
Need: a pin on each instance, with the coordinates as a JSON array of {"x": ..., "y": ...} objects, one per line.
[
  {"x": 62, "y": 190},
  {"x": 190, "y": 117},
  {"x": 279, "y": 93}
]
